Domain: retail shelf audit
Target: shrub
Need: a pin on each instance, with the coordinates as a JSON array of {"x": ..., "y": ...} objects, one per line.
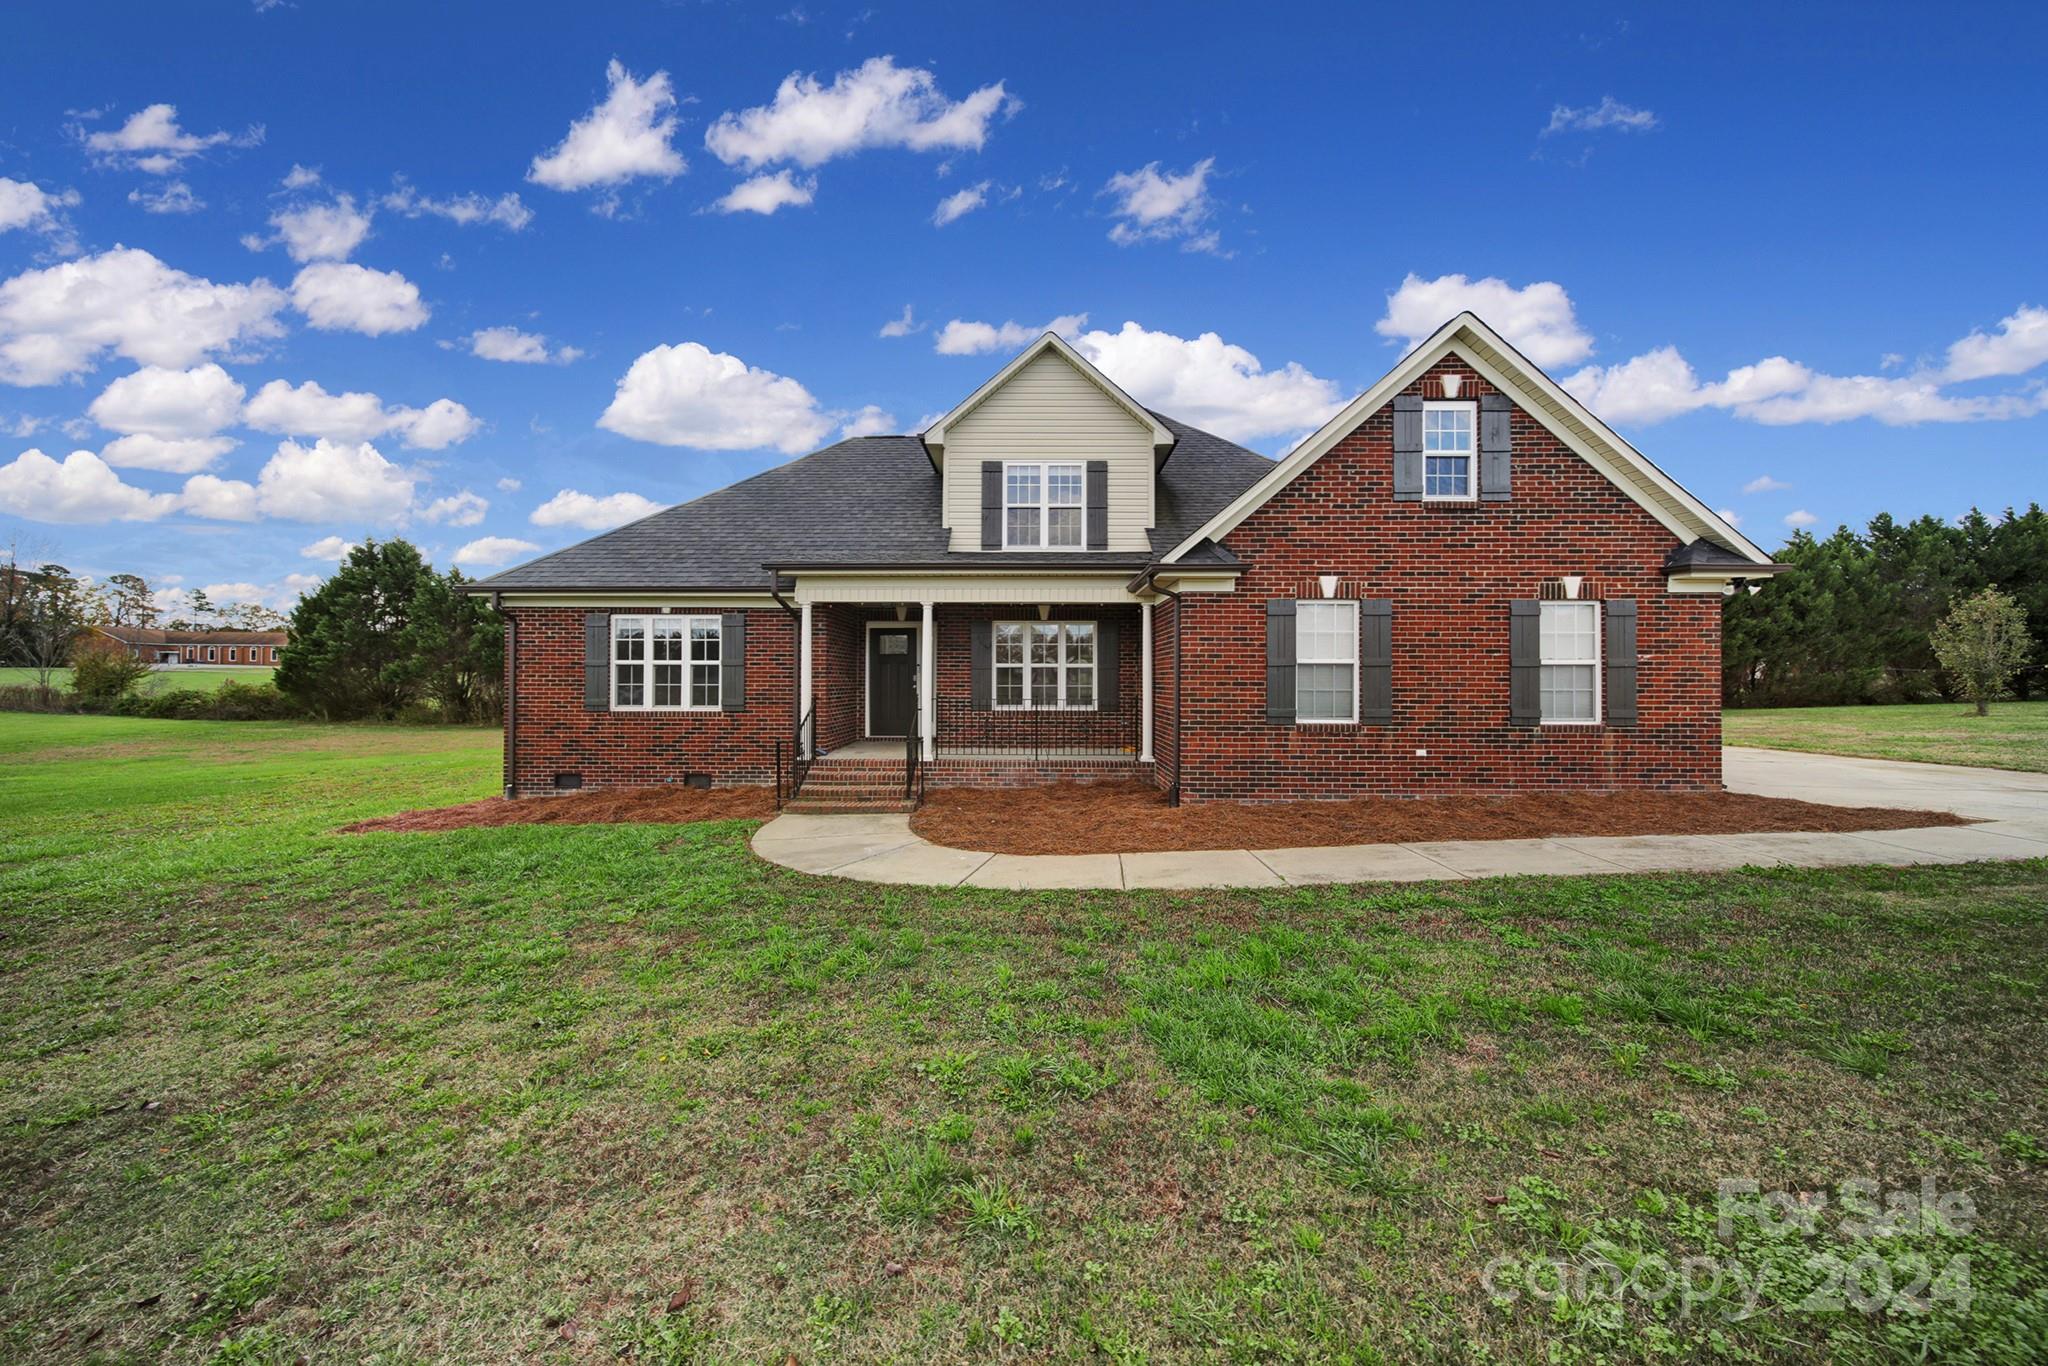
[{"x": 103, "y": 672}]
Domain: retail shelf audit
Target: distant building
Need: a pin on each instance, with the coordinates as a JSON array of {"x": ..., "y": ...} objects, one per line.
[{"x": 203, "y": 649}]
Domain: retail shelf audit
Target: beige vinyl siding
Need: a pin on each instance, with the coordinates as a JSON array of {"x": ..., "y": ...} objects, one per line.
[{"x": 1050, "y": 411}]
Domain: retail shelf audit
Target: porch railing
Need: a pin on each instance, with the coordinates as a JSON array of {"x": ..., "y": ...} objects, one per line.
[
  {"x": 913, "y": 757},
  {"x": 1040, "y": 733},
  {"x": 791, "y": 772}
]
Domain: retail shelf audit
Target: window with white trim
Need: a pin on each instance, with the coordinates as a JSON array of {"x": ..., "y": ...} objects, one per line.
[
  {"x": 1449, "y": 440},
  {"x": 1044, "y": 664},
  {"x": 1045, "y": 506},
  {"x": 1568, "y": 635},
  {"x": 213, "y": 654},
  {"x": 232, "y": 651},
  {"x": 666, "y": 663},
  {"x": 1326, "y": 661}
]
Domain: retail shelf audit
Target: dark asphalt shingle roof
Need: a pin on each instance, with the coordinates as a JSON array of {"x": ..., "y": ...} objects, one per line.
[{"x": 872, "y": 500}]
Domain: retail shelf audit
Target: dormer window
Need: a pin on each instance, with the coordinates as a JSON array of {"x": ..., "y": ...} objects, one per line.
[
  {"x": 1449, "y": 443},
  {"x": 1044, "y": 506}
]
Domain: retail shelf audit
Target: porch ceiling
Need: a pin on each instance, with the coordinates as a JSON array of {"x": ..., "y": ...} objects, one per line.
[{"x": 1095, "y": 589}]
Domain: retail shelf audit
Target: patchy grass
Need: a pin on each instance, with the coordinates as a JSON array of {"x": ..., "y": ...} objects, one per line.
[
  {"x": 2015, "y": 735},
  {"x": 160, "y": 680},
  {"x": 584, "y": 1093}
]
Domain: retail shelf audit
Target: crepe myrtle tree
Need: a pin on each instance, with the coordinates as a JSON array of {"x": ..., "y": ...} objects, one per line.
[{"x": 1983, "y": 644}]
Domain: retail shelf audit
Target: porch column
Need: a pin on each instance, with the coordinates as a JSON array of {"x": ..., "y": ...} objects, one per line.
[
  {"x": 803, "y": 683},
  {"x": 928, "y": 681},
  {"x": 1145, "y": 668}
]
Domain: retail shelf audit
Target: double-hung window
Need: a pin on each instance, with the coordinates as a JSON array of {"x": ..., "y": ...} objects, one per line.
[
  {"x": 1326, "y": 661},
  {"x": 1449, "y": 438},
  {"x": 1045, "y": 506},
  {"x": 1044, "y": 664},
  {"x": 666, "y": 663},
  {"x": 1569, "y": 641}
]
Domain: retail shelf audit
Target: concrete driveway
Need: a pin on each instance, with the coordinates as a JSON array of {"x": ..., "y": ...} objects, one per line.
[{"x": 2011, "y": 808}]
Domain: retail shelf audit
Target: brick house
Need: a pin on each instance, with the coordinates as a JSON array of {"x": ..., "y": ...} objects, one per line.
[
  {"x": 1464, "y": 581},
  {"x": 203, "y": 649}
]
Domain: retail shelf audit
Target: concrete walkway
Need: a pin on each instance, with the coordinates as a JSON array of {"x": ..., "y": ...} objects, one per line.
[{"x": 2012, "y": 809}]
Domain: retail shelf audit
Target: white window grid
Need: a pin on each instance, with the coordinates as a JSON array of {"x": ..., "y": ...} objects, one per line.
[
  {"x": 1449, "y": 449},
  {"x": 1568, "y": 646},
  {"x": 1326, "y": 662},
  {"x": 1045, "y": 506},
  {"x": 1044, "y": 666},
  {"x": 666, "y": 663}
]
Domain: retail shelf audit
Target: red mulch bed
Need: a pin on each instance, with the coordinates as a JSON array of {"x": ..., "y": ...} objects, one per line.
[
  {"x": 1132, "y": 818},
  {"x": 634, "y": 806}
]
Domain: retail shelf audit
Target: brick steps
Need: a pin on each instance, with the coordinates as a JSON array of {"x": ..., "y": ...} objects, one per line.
[
  {"x": 863, "y": 784},
  {"x": 808, "y": 805}
]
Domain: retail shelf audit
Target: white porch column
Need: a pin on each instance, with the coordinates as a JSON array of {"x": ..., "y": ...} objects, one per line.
[
  {"x": 803, "y": 682},
  {"x": 1145, "y": 667},
  {"x": 928, "y": 681}
]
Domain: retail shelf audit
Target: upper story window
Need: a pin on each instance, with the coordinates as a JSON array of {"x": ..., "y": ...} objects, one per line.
[
  {"x": 1449, "y": 440},
  {"x": 1326, "y": 661},
  {"x": 666, "y": 663},
  {"x": 1045, "y": 506},
  {"x": 1568, "y": 635}
]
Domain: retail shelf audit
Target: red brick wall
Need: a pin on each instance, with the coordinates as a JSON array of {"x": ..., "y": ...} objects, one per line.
[
  {"x": 1104, "y": 728},
  {"x": 1450, "y": 570},
  {"x": 1165, "y": 721},
  {"x": 554, "y": 734},
  {"x": 838, "y": 669}
]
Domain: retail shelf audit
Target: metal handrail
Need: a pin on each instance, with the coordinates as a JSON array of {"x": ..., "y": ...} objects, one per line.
[
  {"x": 801, "y": 753},
  {"x": 911, "y": 753}
]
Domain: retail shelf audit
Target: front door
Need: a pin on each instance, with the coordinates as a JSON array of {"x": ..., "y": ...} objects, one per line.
[{"x": 892, "y": 680}]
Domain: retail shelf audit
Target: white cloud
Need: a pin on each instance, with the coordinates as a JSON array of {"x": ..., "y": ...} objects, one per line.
[
  {"x": 901, "y": 327},
  {"x": 58, "y": 321},
  {"x": 690, "y": 395},
  {"x": 301, "y": 177},
  {"x": 1609, "y": 113},
  {"x": 237, "y": 592},
  {"x": 878, "y": 104},
  {"x": 151, "y": 141},
  {"x": 507, "y": 211},
  {"x": 519, "y": 348},
  {"x": 25, "y": 205},
  {"x": 623, "y": 138},
  {"x": 80, "y": 490},
  {"x": 488, "y": 552},
  {"x": 1152, "y": 207},
  {"x": 347, "y": 298},
  {"x": 175, "y": 455},
  {"x": 223, "y": 500},
  {"x": 959, "y": 204},
  {"x": 767, "y": 192},
  {"x": 571, "y": 508},
  {"x": 869, "y": 421},
  {"x": 1537, "y": 319},
  {"x": 457, "y": 509},
  {"x": 1208, "y": 383},
  {"x": 509, "y": 485},
  {"x": 961, "y": 337},
  {"x": 318, "y": 232},
  {"x": 327, "y": 548},
  {"x": 309, "y": 410},
  {"x": 332, "y": 481},
  {"x": 176, "y": 197},
  {"x": 1730, "y": 516},
  {"x": 155, "y": 401},
  {"x": 1763, "y": 483},
  {"x": 2020, "y": 344},
  {"x": 1800, "y": 518}
]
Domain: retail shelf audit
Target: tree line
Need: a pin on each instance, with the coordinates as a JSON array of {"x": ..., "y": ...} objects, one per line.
[{"x": 1854, "y": 620}]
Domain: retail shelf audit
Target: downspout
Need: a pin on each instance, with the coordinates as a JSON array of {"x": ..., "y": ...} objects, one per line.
[
  {"x": 511, "y": 696},
  {"x": 796, "y": 655},
  {"x": 1150, "y": 580}
]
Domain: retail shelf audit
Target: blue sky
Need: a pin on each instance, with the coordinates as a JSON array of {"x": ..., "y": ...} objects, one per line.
[{"x": 277, "y": 276}]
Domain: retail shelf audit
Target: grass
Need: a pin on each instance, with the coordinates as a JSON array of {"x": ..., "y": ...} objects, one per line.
[
  {"x": 162, "y": 680},
  {"x": 596, "y": 1093},
  {"x": 2015, "y": 735}
]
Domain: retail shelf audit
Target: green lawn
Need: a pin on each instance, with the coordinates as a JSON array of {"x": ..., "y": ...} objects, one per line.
[
  {"x": 163, "y": 680},
  {"x": 2015, "y": 735},
  {"x": 568, "y": 1094}
]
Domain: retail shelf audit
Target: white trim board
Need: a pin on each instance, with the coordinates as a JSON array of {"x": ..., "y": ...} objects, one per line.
[{"x": 935, "y": 435}]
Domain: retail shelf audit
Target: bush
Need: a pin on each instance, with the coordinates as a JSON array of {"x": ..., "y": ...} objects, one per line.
[{"x": 103, "y": 672}]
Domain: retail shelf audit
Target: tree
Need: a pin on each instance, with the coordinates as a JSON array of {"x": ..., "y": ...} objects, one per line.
[
  {"x": 347, "y": 658},
  {"x": 49, "y": 621},
  {"x": 1983, "y": 643},
  {"x": 105, "y": 669},
  {"x": 129, "y": 601},
  {"x": 455, "y": 645},
  {"x": 251, "y": 616}
]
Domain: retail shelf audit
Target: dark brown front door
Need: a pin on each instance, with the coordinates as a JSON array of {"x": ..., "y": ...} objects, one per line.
[{"x": 892, "y": 680}]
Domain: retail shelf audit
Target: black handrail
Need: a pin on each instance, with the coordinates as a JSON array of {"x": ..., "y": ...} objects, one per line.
[
  {"x": 801, "y": 752},
  {"x": 911, "y": 754}
]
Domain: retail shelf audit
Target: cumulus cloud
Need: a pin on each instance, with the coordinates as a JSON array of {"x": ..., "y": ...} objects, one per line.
[
  {"x": 507, "y": 211},
  {"x": 959, "y": 204},
  {"x": 901, "y": 327},
  {"x": 59, "y": 321},
  {"x": 767, "y": 192},
  {"x": 175, "y": 455},
  {"x": 2019, "y": 344},
  {"x": 1800, "y": 517},
  {"x": 488, "y": 552},
  {"x": 1730, "y": 516},
  {"x": 1592, "y": 118},
  {"x": 151, "y": 141},
  {"x": 457, "y": 509},
  {"x": 869, "y": 421},
  {"x": 156, "y": 401},
  {"x": 961, "y": 337},
  {"x": 509, "y": 485},
  {"x": 690, "y": 395},
  {"x": 317, "y": 232},
  {"x": 222, "y": 500},
  {"x": 309, "y": 410},
  {"x": 1537, "y": 319},
  {"x": 572, "y": 508},
  {"x": 176, "y": 197},
  {"x": 26, "y": 205},
  {"x": 1763, "y": 483},
  {"x": 623, "y": 138},
  {"x": 1151, "y": 206},
  {"x": 327, "y": 548},
  {"x": 519, "y": 348},
  {"x": 80, "y": 489},
  {"x": 346, "y": 298},
  {"x": 332, "y": 481},
  {"x": 1211, "y": 384},
  {"x": 877, "y": 104}
]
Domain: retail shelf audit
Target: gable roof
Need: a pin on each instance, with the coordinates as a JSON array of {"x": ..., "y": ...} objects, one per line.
[
  {"x": 1566, "y": 418},
  {"x": 1162, "y": 435}
]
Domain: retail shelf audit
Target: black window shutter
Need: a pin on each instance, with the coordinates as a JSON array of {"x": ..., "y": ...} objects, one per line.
[
  {"x": 1496, "y": 448},
  {"x": 597, "y": 661},
  {"x": 1525, "y": 662},
  {"x": 1408, "y": 448},
  {"x": 1280, "y": 661},
  {"x": 732, "y": 662},
  {"x": 991, "y": 505},
  {"x": 1375, "y": 661},
  {"x": 1098, "y": 505},
  {"x": 981, "y": 665},
  {"x": 1621, "y": 661},
  {"x": 1107, "y": 666}
]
